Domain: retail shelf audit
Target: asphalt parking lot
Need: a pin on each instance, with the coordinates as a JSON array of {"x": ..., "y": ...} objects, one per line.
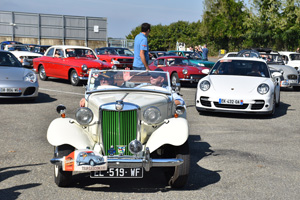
[{"x": 232, "y": 156}]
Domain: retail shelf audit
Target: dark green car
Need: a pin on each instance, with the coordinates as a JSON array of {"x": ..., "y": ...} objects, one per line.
[{"x": 194, "y": 58}]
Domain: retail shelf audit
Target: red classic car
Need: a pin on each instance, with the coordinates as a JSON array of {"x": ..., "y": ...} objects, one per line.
[
  {"x": 179, "y": 68},
  {"x": 118, "y": 56},
  {"x": 68, "y": 62}
]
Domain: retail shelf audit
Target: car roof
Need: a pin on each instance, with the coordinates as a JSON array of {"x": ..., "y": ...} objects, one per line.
[
  {"x": 164, "y": 57},
  {"x": 243, "y": 58},
  {"x": 70, "y": 46}
]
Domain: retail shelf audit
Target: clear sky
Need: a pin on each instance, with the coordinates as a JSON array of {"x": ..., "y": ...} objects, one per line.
[{"x": 122, "y": 15}]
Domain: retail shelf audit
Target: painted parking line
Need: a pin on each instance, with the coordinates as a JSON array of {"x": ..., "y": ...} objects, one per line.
[{"x": 59, "y": 91}]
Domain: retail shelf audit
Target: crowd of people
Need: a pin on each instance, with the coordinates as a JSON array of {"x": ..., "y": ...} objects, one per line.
[{"x": 201, "y": 49}]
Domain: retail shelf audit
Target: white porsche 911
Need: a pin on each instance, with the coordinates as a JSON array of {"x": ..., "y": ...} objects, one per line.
[{"x": 239, "y": 85}]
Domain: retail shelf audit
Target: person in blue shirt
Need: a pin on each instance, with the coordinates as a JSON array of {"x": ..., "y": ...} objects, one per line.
[
  {"x": 141, "y": 48},
  {"x": 204, "y": 52}
]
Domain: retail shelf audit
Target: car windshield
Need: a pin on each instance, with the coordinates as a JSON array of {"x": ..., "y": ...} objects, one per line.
[
  {"x": 9, "y": 60},
  {"x": 177, "y": 61},
  {"x": 295, "y": 56},
  {"x": 85, "y": 53},
  {"x": 240, "y": 68},
  {"x": 124, "y": 52},
  {"x": 106, "y": 52},
  {"x": 125, "y": 79},
  {"x": 11, "y": 47},
  {"x": 272, "y": 58},
  {"x": 193, "y": 55}
]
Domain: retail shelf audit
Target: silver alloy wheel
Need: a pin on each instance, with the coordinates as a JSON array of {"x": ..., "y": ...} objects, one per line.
[{"x": 74, "y": 77}]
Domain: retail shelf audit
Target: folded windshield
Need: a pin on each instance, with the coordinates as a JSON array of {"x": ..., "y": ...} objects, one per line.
[{"x": 115, "y": 79}]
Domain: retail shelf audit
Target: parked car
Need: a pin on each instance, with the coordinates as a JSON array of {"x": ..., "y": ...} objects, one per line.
[
  {"x": 290, "y": 76},
  {"x": 22, "y": 52},
  {"x": 239, "y": 85},
  {"x": 15, "y": 80},
  {"x": 131, "y": 121},
  {"x": 89, "y": 158},
  {"x": 4, "y": 43},
  {"x": 179, "y": 68},
  {"x": 195, "y": 58},
  {"x": 68, "y": 62},
  {"x": 41, "y": 49},
  {"x": 120, "y": 57},
  {"x": 30, "y": 47},
  {"x": 291, "y": 59}
]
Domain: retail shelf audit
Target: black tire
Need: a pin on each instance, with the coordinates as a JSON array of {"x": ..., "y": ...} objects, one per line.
[
  {"x": 62, "y": 178},
  {"x": 278, "y": 103},
  {"x": 274, "y": 107},
  {"x": 74, "y": 79},
  {"x": 174, "y": 79},
  {"x": 179, "y": 174},
  {"x": 42, "y": 73}
]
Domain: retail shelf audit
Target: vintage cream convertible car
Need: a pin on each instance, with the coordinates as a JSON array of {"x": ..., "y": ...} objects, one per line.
[{"x": 130, "y": 125}]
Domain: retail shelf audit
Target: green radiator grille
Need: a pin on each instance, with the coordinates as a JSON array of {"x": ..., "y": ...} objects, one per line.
[{"x": 118, "y": 128}]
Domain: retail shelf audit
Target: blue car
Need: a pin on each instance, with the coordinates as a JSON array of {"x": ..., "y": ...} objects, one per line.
[
  {"x": 4, "y": 43},
  {"x": 89, "y": 158}
]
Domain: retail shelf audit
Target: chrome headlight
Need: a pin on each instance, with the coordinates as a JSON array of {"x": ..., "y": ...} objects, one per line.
[
  {"x": 30, "y": 77},
  {"x": 263, "y": 88},
  {"x": 113, "y": 61},
  {"x": 184, "y": 71},
  {"x": 135, "y": 146},
  {"x": 180, "y": 109},
  {"x": 84, "y": 116},
  {"x": 152, "y": 115},
  {"x": 84, "y": 67},
  {"x": 204, "y": 85}
]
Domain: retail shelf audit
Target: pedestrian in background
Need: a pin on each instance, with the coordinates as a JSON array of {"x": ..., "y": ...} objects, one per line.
[
  {"x": 298, "y": 50},
  {"x": 204, "y": 52},
  {"x": 141, "y": 48}
]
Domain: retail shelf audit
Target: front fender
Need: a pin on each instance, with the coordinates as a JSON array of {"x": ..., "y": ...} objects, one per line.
[
  {"x": 175, "y": 132},
  {"x": 62, "y": 131}
]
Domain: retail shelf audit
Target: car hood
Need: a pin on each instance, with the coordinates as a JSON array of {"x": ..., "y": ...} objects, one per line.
[
  {"x": 25, "y": 53},
  {"x": 12, "y": 73},
  {"x": 286, "y": 68},
  {"x": 223, "y": 84}
]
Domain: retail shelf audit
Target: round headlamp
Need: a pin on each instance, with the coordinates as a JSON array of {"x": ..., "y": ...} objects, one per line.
[
  {"x": 263, "y": 88},
  {"x": 84, "y": 67},
  {"x": 152, "y": 115},
  {"x": 204, "y": 85},
  {"x": 180, "y": 109},
  {"x": 84, "y": 116},
  {"x": 135, "y": 147},
  {"x": 184, "y": 71}
]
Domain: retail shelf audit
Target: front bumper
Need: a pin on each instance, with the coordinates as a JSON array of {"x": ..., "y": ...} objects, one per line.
[{"x": 132, "y": 162}]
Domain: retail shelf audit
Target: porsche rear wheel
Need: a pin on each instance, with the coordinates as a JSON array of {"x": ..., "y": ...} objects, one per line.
[
  {"x": 42, "y": 73},
  {"x": 62, "y": 178},
  {"x": 74, "y": 79}
]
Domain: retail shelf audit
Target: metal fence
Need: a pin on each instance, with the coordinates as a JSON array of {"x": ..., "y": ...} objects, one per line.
[{"x": 49, "y": 26}]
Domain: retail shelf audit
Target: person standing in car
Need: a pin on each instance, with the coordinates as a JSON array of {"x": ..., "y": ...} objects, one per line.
[{"x": 141, "y": 48}]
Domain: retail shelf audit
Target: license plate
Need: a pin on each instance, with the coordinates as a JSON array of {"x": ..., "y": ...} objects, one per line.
[
  {"x": 231, "y": 101},
  {"x": 119, "y": 173},
  {"x": 293, "y": 81},
  {"x": 9, "y": 90}
]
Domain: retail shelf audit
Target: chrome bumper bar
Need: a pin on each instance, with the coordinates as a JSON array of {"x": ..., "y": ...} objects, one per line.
[{"x": 145, "y": 162}]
